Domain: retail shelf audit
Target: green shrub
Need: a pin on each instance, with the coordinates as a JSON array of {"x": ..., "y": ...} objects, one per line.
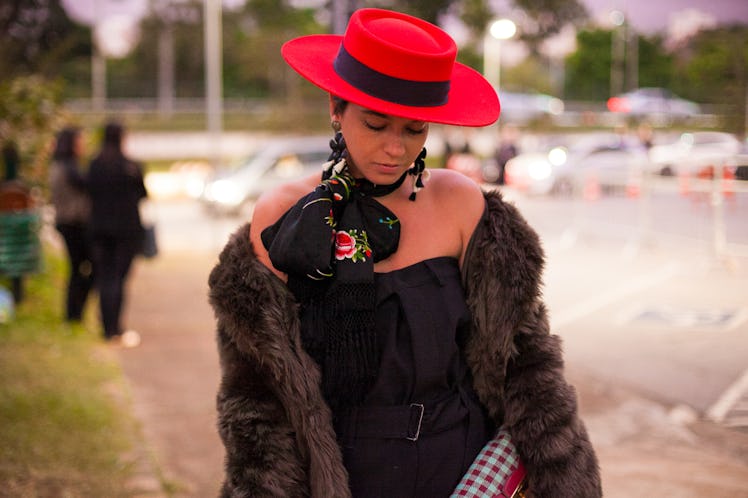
[{"x": 65, "y": 423}]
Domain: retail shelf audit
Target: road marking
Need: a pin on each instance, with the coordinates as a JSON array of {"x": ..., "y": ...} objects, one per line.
[
  {"x": 631, "y": 286},
  {"x": 729, "y": 398},
  {"x": 684, "y": 318}
]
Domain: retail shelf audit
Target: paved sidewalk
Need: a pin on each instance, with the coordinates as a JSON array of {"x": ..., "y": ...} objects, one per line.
[
  {"x": 646, "y": 448},
  {"x": 174, "y": 373}
]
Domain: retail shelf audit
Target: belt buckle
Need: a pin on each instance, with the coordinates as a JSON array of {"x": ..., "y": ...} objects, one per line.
[{"x": 420, "y": 419}]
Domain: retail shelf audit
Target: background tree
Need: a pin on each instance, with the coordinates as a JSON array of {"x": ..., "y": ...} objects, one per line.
[
  {"x": 38, "y": 37},
  {"x": 430, "y": 10},
  {"x": 135, "y": 75},
  {"x": 31, "y": 112},
  {"x": 655, "y": 64},
  {"x": 712, "y": 68},
  {"x": 588, "y": 69},
  {"x": 547, "y": 18},
  {"x": 252, "y": 40}
]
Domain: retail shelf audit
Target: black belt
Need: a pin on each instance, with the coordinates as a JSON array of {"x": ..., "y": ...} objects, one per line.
[{"x": 401, "y": 421}]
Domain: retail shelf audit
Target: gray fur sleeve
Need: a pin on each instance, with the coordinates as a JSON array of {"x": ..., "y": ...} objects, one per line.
[{"x": 541, "y": 415}]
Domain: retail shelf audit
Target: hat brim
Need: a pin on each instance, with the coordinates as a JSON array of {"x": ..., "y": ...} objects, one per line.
[{"x": 472, "y": 100}]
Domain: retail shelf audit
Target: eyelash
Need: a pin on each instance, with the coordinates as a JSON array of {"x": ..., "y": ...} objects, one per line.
[{"x": 380, "y": 128}]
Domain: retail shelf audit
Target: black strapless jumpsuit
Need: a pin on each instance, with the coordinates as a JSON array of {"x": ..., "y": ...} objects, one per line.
[{"x": 420, "y": 426}]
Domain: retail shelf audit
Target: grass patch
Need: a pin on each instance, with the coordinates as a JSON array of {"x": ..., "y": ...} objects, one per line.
[{"x": 65, "y": 424}]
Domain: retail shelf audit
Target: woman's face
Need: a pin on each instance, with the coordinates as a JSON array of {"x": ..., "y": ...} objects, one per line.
[{"x": 380, "y": 147}]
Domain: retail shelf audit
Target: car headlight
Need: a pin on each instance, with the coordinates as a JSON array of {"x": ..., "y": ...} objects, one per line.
[
  {"x": 539, "y": 170},
  {"x": 226, "y": 192},
  {"x": 557, "y": 156}
]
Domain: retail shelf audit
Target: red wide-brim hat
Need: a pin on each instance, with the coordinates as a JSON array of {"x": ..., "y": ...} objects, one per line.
[{"x": 398, "y": 65}]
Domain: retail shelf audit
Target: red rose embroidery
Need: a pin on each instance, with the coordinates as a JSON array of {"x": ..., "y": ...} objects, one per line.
[{"x": 345, "y": 245}]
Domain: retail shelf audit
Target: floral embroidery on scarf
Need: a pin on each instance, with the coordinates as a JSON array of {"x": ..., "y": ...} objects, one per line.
[
  {"x": 353, "y": 245},
  {"x": 330, "y": 220},
  {"x": 388, "y": 221}
]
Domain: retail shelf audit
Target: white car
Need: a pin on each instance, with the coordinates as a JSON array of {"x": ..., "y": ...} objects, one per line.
[
  {"x": 566, "y": 166},
  {"x": 657, "y": 104},
  {"x": 279, "y": 161},
  {"x": 523, "y": 108},
  {"x": 694, "y": 152}
]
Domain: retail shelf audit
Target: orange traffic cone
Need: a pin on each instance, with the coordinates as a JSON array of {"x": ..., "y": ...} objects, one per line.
[
  {"x": 633, "y": 185},
  {"x": 591, "y": 187},
  {"x": 728, "y": 182},
  {"x": 684, "y": 187}
]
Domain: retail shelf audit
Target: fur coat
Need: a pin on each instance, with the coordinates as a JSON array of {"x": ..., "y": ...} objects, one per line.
[{"x": 277, "y": 429}]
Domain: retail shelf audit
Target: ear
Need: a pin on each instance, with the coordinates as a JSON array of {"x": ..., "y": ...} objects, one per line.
[{"x": 333, "y": 114}]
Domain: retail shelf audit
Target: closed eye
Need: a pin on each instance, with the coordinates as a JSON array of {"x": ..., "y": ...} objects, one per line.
[{"x": 374, "y": 127}]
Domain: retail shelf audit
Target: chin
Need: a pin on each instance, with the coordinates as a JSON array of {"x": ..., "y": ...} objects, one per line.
[{"x": 385, "y": 177}]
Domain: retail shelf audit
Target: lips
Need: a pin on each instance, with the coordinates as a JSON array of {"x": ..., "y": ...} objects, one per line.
[{"x": 387, "y": 167}]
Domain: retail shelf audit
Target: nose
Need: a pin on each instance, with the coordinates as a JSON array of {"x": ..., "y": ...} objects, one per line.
[{"x": 394, "y": 145}]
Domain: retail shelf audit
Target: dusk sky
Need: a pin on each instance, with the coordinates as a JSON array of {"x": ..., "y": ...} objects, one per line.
[
  {"x": 644, "y": 15},
  {"x": 655, "y": 15}
]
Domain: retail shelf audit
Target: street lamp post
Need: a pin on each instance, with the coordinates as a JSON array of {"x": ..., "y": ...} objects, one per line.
[
  {"x": 213, "y": 76},
  {"x": 498, "y": 30},
  {"x": 98, "y": 80},
  {"x": 114, "y": 36},
  {"x": 618, "y": 52}
]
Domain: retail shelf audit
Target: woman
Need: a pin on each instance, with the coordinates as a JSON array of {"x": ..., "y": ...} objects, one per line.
[
  {"x": 375, "y": 328},
  {"x": 72, "y": 205},
  {"x": 116, "y": 186}
]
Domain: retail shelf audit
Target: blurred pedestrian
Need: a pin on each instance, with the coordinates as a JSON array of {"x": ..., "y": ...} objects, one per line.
[
  {"x": 72, "y": 204},
  {"x": 116, "y": 187},
  {"x": 459, "y": 155},
  {"x": 378, "y": 323},
  {"x": 645, "y": 134},
  {"x": 507, "y": 149}
]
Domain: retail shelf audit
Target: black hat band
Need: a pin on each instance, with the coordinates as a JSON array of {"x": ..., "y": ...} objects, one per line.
[{"x": 389, "y": 88}]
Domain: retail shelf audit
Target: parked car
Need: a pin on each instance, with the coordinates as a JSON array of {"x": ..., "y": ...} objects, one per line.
[
  {"x": 739, "y": 163},
  {"x": 654, "y": 103},
  {"x": 523, "y": 108},
  {"x": 564, "y": 166},
  {"x": 230, "y": 189},
  {"x": 695, "y": 152}
]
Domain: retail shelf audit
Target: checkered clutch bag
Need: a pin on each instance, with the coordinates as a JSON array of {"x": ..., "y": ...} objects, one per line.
[{"x": 496, "y": 472}]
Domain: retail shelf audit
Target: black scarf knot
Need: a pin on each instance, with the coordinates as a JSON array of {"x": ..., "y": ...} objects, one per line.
[{"x": 339, "y": 224}]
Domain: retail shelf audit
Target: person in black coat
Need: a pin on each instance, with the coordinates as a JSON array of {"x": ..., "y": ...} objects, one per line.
[{"x": 116, "y": 186}]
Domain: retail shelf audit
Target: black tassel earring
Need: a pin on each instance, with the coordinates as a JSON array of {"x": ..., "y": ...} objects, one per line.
[
  {"x": 419, "y": 165},
  {"x": 337, "y": 147}
]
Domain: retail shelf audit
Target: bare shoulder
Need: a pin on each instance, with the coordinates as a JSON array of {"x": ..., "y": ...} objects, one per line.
[
  {"x": 460, "y": 202},
  {"x": 457, "y": 192}
]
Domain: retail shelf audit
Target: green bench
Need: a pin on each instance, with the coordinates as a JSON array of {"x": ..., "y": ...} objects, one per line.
[{"x": 20, "y": 248}]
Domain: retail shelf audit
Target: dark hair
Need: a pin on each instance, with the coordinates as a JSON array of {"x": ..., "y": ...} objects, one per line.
[
  {"x": 111, "y": 147},
  {"x": 113, "y": 135},
  {"x": 339, "y": 104},
  {"x": 65, "y": 144}
]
